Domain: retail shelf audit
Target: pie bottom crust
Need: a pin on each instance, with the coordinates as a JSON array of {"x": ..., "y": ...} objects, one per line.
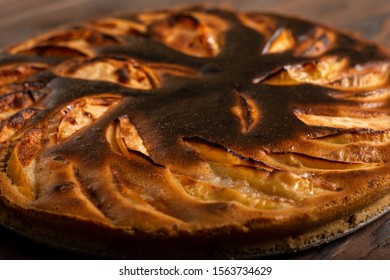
[{"x": 94, "y": 240}]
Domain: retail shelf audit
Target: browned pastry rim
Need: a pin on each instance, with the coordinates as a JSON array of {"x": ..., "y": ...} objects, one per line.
[
  {"x": 197, "y": 132},
  {"x": 86, "y": 238}
]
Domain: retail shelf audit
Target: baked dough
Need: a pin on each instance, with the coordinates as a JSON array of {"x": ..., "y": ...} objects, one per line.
[{"x": 193, "y": 133}]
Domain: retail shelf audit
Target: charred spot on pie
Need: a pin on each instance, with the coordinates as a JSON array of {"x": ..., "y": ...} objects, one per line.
[{"x": 53, "y": 51}]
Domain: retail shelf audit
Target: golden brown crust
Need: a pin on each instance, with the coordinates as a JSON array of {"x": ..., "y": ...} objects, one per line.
[{"x": 244, "y": 133}]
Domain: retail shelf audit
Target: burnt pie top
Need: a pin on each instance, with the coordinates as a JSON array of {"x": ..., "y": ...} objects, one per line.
[{"x": 195, "y": 121}]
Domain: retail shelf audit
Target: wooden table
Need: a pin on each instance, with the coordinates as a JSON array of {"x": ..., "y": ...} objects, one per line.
[{"x": 370, "y": 19}]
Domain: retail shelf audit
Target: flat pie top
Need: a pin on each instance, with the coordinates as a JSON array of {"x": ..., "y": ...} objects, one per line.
[{"x": 195, "y": 122}]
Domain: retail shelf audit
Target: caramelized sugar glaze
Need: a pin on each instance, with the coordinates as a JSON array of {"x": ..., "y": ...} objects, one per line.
[{"x": 195, "y": 126}]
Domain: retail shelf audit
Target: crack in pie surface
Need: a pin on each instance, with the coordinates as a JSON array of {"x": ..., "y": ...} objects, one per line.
[{"x": 200, "y": 131}]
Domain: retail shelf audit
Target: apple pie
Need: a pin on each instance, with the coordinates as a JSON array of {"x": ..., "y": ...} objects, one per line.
[{"x": 193, "y": 133}]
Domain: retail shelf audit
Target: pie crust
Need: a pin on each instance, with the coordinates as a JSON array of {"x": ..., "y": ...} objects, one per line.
[{"x": 193, "y": 133}]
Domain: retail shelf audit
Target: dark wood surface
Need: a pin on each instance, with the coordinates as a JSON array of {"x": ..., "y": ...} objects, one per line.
[{"x": 369, "y": 19}]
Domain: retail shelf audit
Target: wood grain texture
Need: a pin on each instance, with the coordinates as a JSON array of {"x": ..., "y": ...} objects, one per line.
[
  {"x": 368, "y": 19},
  {"x": 22, "y": 19}
]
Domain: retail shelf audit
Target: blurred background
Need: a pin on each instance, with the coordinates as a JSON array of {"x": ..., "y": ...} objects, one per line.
[{"x": 21, "y": 19}]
